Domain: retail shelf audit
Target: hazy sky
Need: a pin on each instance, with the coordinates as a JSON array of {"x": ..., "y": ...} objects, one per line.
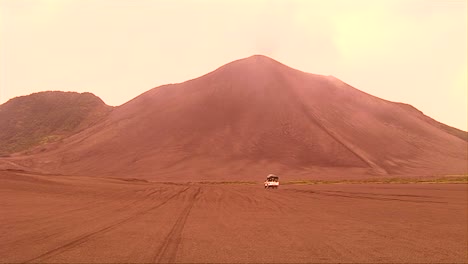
[{"x": 412, "y": 51}]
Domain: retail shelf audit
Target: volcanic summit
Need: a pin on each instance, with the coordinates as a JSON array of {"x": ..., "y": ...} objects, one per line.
[{"x": 251, "y": 117}]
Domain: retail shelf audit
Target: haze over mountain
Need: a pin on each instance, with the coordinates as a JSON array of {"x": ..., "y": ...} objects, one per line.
[
  {"x": 251, "y": 117},
  {"x": 44, "y": 117}
]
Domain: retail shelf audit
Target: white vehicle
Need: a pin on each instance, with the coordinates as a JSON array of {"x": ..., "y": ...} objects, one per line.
[{"x": 272, "y": 181}]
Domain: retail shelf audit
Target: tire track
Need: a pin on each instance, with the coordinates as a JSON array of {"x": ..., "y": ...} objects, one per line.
[
  {"x": 89, "y": 205},
  {"x": 83, "y": 238},
  {"x": 334, "y": 194},
  {"x": 96, "y": 216},
  {"x": 167, "y": 252}
]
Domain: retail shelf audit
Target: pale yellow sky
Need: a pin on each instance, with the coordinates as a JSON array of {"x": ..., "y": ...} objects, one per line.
[{"x": 412, "y": 51}]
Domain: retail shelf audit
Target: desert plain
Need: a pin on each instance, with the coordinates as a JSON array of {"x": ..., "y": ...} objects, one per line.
[{"x": 71, "y": 219}]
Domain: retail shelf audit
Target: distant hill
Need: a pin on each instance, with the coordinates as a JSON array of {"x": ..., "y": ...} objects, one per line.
[
  {"x": 39, "y": 118},
  {"x": 249, "y": 118}
]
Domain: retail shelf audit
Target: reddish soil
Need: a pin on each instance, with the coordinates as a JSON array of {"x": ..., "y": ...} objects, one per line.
[
  {"x": 90, "y": 219},
  {"x": 256, "y": 116}
]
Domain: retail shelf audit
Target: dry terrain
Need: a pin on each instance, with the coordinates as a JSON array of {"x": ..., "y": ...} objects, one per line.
[{"x": 47, "y": 218}]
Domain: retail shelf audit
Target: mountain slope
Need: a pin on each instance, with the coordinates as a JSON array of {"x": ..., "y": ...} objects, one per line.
[
  {"x": 451, "y": 130},
  {"x": 44, "y": 117},
  {"x": 252, "y": 117}
]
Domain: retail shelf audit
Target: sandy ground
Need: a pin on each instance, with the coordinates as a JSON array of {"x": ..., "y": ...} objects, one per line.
[{"x": 79, "y": 219}]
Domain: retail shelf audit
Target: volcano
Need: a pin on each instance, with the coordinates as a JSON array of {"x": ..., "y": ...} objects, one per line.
[{"x": 253, "y": 117}]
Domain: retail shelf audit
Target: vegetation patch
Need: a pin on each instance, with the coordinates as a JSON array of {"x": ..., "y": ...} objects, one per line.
[{"x": 46, "y": 117}]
